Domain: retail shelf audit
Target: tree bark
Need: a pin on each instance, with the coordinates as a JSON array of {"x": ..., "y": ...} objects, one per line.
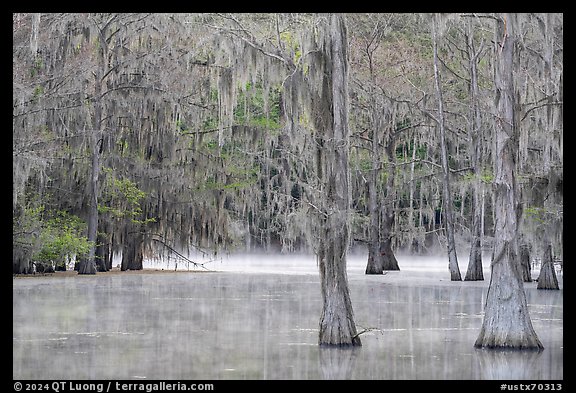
[
  {"x": 414, "y": 241},
  {"x": 109, "y": 258},
  {"x": 132, "y": 252},
  {"x": 389, "y": 261},
  {"x": 475, "y": 271},
  {"x": 446, "y": 192},
  {"x": 375, "y": 263},
  {"x": 107, "y": 247},
  {"x": 380, "y": 207},
  {"x": 60, "y": 266},
  {"x": 525, "y": 262},
  {"x": 102, "y": 254},
  {"x": 547, "y": 278},
  {"x": 506, "y": 321},
  {"x": 132, "y": 256},
  {"x": 21, "y": 263},
  {"x": 337, "y": 325},
  {"x": 34, "y": 34},
  {"x": 88, "y": 265}
]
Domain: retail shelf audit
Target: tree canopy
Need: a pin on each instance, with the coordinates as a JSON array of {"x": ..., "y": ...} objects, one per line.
[{"x": 206, "y": 131}]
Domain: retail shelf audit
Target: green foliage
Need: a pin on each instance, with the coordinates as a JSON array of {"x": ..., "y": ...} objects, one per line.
[
  {"x": 50, "y": 238},
  {"x": 122, "y": 198},
  {"x": 209, "y": 146},
  {"x": 288, "y": 39},
  {"x": 468, "y": 177},
  {"x": 38, "y": 91},
  {"x": 61, "y": 238},
  {"x": 243, "y": 177},
  {"x": 238, "y": 173},
  {"x": 535, "y": 214},
  {"x": 36, "y": 67},
  {"x": 421, "y": 149},
  {"x": 365, "y": 164},
  {"x": 27, "y": 226},
  {"x": 485, "y": 177},
  {"x": 122, "y": 145},
  {"x": 251, "y": 108},
  {"x": 211, "y": 123}
]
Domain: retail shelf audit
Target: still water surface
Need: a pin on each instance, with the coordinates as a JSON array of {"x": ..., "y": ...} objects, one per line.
[{"x": 258, "y": 319}]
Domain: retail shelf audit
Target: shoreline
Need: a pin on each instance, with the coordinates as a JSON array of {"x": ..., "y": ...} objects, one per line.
[{"x": 114, "y": 271}]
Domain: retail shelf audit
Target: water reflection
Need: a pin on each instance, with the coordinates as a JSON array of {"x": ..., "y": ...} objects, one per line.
[
  {"x": 265, "y": 326},
  {"x": 508, "y": 364},
  {"x": 337, "y": 363}
]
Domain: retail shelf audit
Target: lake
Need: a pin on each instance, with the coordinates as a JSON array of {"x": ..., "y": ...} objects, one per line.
[{"x": 256, "y": 317}]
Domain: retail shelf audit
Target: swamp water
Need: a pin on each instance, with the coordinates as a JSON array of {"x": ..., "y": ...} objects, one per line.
[{"x": 257, "y": 318}]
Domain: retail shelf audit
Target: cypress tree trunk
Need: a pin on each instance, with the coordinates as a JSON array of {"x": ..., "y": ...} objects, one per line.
[
  {"x": 110, "y": 256},
  {"x": 389, "y": 261},
  {"x": 525, "y": 262},
  {"x": 547, "y": 278},
  {"x": 131, "y": 257},
  {"x": 474, "y": 271},
  {"x": 107, "y": 246},
  {"x": 21, "y": 261},
  {"x": 414, "y": 242},
  {"x": 375, "y": 262},
  {"x": 380, "y": 254},
  {"x": 87, "y": 265},
  {"x": 446, "y": 192},
  {"x": 104, "y": 246},
  {"x": 60, "y": 266},
  {"x": 102, "y": 251},
  {"x": 132, "y": 252},
  {"x": 337, "y": 325},
  {"x": 506, "y": 321}
]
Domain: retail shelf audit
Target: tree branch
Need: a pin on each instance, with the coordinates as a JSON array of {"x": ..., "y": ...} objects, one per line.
[
  {"x": 250, "y": 41},
  {"x": 196, "y": 264},
  {"x": 541, "y": 106}
]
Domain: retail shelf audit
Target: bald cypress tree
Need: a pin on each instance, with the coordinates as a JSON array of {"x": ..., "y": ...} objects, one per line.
[
  {"x": 337, "y": 325},
  {"x": 507, "y": 322},
  {"x": 446, "y": 189},
  {"x": 547, "y": 278}
]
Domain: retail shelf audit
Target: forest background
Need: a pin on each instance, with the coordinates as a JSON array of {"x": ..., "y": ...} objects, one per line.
[{"x": 148, "y": 135}]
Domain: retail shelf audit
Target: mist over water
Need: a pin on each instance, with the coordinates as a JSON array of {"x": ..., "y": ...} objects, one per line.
[{"x": 256, "y": 317}]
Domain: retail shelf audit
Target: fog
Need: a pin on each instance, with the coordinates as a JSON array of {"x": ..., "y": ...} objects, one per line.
[{"x": 256, "y": 317}]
